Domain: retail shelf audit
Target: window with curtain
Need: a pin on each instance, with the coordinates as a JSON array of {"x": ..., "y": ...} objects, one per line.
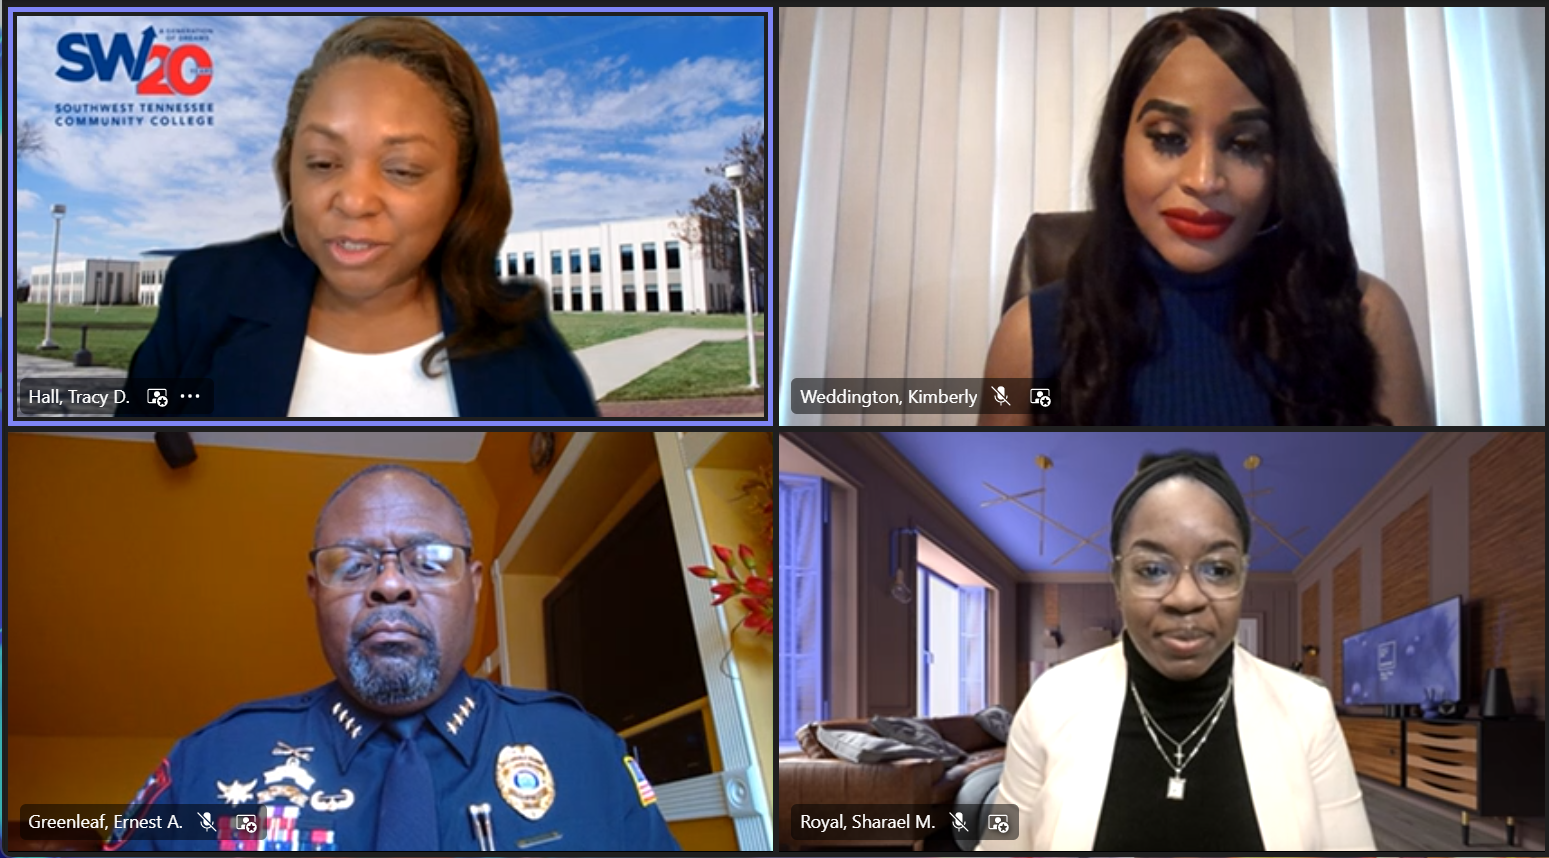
[
  {"x": 802, "y": 584},
  {"x": 951, "y": 621}
]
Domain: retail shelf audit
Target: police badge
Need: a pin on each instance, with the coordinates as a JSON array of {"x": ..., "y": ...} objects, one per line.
[{"x": 524, "y": 780}]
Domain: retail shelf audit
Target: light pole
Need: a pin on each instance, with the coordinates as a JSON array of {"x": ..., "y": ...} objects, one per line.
[
  {"x": 734, "y": 177},
  {"x": 53, "y": 278}
]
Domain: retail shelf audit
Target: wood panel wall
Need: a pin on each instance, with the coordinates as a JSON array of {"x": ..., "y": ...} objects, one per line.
[
  {"x": 1506, "y": 560},
  {"x": 1347, "y": 614},
  {"x": 1406, "y": 561},
  {"x": 1310, "y": 631},
  {"x": 1273, "y": 601}
]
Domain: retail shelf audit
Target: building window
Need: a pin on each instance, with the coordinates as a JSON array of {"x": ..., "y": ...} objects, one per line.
[
  {"x": 652, "y": 303},
  {"x": 672, "y": 256},
  {"x": 951, "y": 628},
  {"x": 629, "y": 299},
  {"x": 527, "y": 264},
  {"x": 627, "y": 257},
  {"x": 559, "y": 263},
  {"x": 575, "y": 261},
  {"x": 559, "y": 300},
  {"x": 594, "y": 259},
  {"x": 803, "y": 582},
  {"x": 596, "y": 299},
  {"x": 511, "y": 264},
  {"x": 648, "y": 250},
  {"x": 575, "y": 299},
  {"x": 675, "y": 297}
]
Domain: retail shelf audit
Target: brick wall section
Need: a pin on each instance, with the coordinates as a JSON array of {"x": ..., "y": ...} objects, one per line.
[
  {"x": 1347, "y": 614},
  {"x": 1506, "y": 560},
  {"x": 1406, "y": 561}
]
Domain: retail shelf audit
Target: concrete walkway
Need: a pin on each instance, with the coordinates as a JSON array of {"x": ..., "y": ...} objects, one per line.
[
  {"x": 615, "y": 363},
  {"x": 32, "y": 366}
]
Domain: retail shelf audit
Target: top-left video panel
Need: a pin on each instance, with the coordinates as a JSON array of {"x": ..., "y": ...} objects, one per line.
[{"x": 387, "y": 219}]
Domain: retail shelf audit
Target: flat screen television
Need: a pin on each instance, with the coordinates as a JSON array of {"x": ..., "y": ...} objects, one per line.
[{"x": 1409, "y": 660}]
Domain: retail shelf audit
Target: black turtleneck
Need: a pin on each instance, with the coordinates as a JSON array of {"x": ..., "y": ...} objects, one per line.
[{"x": 1216, "y": 813}]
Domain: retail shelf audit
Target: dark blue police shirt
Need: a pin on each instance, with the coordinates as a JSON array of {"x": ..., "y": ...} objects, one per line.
[{"x": 313, "y": 764}]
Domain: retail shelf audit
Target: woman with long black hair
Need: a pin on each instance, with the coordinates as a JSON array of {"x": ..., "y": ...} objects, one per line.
[{"x": 1217, "y": 284}]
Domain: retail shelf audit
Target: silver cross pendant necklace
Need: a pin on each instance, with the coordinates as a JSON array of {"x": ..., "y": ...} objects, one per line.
[{"x": 1177, "y": 760}]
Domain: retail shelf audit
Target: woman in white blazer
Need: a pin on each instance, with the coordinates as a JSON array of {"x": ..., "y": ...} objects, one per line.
[{"x": 1176, "y": 739}]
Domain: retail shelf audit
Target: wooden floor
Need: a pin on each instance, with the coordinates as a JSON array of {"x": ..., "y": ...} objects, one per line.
[{"x": 1404, "y": 822}]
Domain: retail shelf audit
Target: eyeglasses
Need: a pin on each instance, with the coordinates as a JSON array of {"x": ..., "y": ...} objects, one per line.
[
  {"x": 428, "y": 564},
  {"x": 1153, "y": 576}
]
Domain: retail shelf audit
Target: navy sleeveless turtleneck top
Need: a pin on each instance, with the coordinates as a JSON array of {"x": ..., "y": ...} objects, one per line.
[{"x": 1194, "y": 377}]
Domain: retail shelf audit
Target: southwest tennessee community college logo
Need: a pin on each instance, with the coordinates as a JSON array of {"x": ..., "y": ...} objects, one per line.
[{"x": 178, "y": 66}]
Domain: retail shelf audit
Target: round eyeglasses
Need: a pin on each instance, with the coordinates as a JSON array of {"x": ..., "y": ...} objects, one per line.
[
  {"x": 1153, "y": 576},
  {"x": 355, "y": 567}
]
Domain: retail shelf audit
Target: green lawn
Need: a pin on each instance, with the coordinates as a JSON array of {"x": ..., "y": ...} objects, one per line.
[
  {"x": 115, "y": 331},
  {"x": 708, "y": 369},
  {"x": 588, "y": 329},
  {"x": 115, "y": 345}
]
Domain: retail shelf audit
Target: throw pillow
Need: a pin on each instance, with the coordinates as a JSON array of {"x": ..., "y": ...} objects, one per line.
[
  {"x": 996, "y": 721},
  {"x": 858, "y": 747},
  {"x": 807, "y": 738},
  {"x": 914, "y": 731}
]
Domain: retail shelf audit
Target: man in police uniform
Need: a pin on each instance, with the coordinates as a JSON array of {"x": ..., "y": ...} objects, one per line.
[{"x": 404, "y": 751}]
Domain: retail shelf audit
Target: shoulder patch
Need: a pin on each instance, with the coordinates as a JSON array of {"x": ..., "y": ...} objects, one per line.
[
  {"x": 642, "y": 786},
  {"x": 155, "y": 785}
]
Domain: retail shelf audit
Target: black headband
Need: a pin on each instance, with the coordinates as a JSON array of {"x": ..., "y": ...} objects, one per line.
[{"x": 1203, "y": 467}]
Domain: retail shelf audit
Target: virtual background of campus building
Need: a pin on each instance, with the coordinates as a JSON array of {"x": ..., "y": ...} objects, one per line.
[{"x": 633, "y": 266}]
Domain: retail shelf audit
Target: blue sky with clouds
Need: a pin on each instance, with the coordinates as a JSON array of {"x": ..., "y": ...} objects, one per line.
[{"x": 601, "y": 118}]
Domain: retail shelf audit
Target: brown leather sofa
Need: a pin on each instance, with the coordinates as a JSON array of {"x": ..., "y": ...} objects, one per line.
[{"x": 813, "y": 776}]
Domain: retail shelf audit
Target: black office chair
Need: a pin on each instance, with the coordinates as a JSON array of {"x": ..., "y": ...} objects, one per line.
[{"x": 1043, "y": 252}]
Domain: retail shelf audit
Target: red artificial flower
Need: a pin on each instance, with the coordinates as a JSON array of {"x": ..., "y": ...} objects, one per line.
[
  {"x": 755, "y": 592},
  {"x": 723, "y": 592},
  {"x": 758, "y": 586},
  {"x": 761, "y": 624}
]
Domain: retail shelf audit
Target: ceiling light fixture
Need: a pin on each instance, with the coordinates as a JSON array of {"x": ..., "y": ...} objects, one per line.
[
  {"x": 1252, "y": 464},
  {"x": 1044, "y": 464}
]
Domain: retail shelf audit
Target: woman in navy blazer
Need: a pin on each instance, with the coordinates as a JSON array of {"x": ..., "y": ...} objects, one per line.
[{"x": 396, "y": 203}]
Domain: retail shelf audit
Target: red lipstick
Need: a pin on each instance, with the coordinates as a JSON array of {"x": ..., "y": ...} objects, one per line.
[{"x": 1200, "y": 226}]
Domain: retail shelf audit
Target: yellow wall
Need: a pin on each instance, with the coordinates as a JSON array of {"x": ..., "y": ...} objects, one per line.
[
  {"x": 144, "y": 602},
  {"x": 716, "y": 834},
  {"x": 505, "y": 462},
  {"x": 729, "y": 521},
  {"x": 525, "y": 640},
  {"x": 504, "y": 459},
  {"x": 617, "y": 470}
]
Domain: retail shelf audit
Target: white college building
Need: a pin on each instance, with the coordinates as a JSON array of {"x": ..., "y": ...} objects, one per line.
[
  {"x": 102, "y": 281},
  {"x": 87, "y": 281},
  {"x": 634, "y": 266}
]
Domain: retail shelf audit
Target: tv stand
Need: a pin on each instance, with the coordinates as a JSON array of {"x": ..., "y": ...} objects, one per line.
[{"x": 1487, "y": 768}]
